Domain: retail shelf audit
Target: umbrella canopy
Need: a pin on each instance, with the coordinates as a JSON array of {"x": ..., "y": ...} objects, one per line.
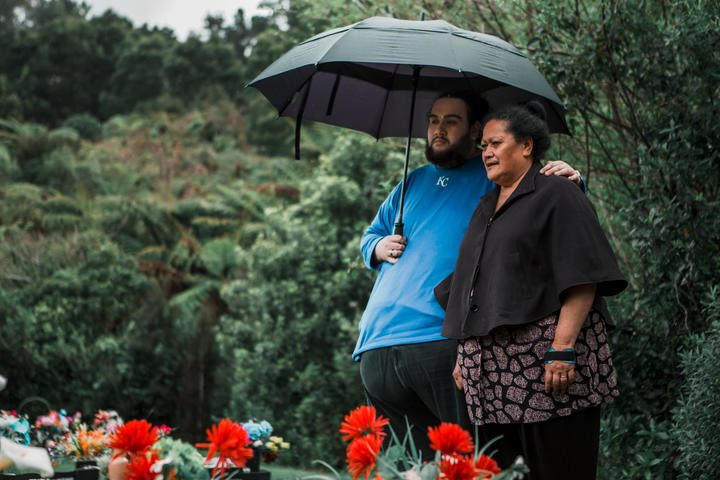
[
  {"x": 361, "y": 76},
  {"x": 381, "y": 76}
]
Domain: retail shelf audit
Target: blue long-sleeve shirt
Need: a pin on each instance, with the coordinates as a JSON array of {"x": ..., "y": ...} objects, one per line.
[{"x": 438, "y": 205}]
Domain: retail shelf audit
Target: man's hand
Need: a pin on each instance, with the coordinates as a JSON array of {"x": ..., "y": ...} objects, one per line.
[
  {"x": 560, "y": 168},
  {"x": 390, "y": 248}
]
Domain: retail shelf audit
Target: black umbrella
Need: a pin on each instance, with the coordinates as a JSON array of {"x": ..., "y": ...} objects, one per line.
[{"x": 381, "y": 75}]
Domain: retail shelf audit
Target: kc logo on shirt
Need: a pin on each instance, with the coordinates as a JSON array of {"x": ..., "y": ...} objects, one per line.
[{"x": 443, "y": 181}]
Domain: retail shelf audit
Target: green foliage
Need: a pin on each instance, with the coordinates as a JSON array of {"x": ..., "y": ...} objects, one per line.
[
  {"x": 63, "y": 67},
  {"x": 194, "y": 64},
  {"x": 646, "y": 453},
  {"x": 8, "y": 166},
  {"x": 26, "y": 207},
  {"x": 86, "y": 125},
  {"x": 57, "y": 62},
  {"x": 695, "y": 418},
  {"x": 136, "y": 77},
  {"x": 186, "y": 460}
]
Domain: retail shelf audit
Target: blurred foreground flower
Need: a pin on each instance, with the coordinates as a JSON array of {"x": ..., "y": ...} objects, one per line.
[
  {"x": 456, "y": 457},
  {"x": 228, "y": 439},
  {"x": 148, "y": 466},
  {"x": 362, "y": 454},
  {"x": 361, "y": 422},
  {"x": 450, "y": 439},
  {"x": 135, "y": 437},
  {"x": 25, "y": 458}
]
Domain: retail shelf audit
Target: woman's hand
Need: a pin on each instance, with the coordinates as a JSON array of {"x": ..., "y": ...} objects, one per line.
[
  {"x": 578, "y": 300},
  {"x": 390, "y": 248},
  {"x": 559, "y": 376},
  {"x": 457, "y": 375}
]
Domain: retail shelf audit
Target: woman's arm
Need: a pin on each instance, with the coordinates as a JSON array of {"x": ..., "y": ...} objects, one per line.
[{"x": 559, "y": 374}]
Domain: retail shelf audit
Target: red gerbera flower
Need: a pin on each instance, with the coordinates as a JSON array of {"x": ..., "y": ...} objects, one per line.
[
  {"x": 363, "y": 421},
  {"x": 456, "y": 467},
  {"x": 228, "y": 439},
  {"x": 362, "y": 454},
  {"x": 450, "y": 439},
  {"x": 486, "y": 467},
  {"x": 146, "y": 467},
  {"x": 135, "y": 437}
]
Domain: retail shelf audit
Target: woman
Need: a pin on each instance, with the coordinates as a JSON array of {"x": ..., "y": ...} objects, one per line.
[{"x": 525, "y": 302}]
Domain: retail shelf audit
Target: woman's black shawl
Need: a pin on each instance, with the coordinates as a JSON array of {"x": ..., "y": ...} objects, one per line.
[{"x": 515, "y": 266}]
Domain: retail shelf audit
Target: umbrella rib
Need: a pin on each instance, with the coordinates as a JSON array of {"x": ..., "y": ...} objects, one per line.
[
  {"x": 385, "y": 102},
  {"x": 331, "y": 101},
  {"x": 290, "y": 99}
]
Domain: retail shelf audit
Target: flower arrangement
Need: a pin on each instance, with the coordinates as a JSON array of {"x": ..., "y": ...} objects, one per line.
[
  {"x": 84, "y": 444},
  {"x": 456, "y": 458},
  {"x": 81, "y": 443},
  {"x": 138, "y": 450},
  {"x": 264, "y": 443},
  {"x": 55, "y": 425},
  {"x": 107, "y": 420},
  {"x": 15, "y": 427}
]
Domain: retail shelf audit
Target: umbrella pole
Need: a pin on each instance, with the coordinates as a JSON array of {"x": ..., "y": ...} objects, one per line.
[{"x": 398, "y": 230}]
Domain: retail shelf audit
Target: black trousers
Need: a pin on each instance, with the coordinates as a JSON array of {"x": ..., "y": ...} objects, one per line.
[
  {"x": 564, "y": 448},
  {"x": 415, "y": 382}
]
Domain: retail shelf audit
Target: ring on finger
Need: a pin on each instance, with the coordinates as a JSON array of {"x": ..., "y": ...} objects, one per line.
[{"x": 392, "y": 253}]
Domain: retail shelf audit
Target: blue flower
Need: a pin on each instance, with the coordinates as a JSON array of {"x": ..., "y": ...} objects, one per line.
[
  {"x": 22, "y": 427},
  {"x": 253, "y": 429},
  {"x": 266, "y": 428},
  {"x": 256, "y": 430}
]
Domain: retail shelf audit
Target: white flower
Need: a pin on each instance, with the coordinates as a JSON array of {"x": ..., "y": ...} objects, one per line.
[
  {"x": 27, "y": 458},
  {"x": 411, "y": 474}
]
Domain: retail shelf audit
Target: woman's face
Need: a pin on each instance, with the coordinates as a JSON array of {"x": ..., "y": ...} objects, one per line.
[{"x": 506, "y": 160}]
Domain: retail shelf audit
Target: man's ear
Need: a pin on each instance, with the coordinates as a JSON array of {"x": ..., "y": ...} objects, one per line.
[{"x": 475, "y": 130}]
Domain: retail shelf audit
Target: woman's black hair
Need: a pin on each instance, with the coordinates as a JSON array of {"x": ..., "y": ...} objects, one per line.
[{"x": 525, "y": 121}]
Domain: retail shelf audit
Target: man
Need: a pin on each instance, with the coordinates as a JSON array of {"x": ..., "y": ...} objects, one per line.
[{"x": 405, "y": 364}]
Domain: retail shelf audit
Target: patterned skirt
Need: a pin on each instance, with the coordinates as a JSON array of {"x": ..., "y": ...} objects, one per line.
[{"x": 504, "y": 373}]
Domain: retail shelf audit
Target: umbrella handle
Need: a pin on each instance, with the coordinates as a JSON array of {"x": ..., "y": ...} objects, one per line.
[{"x": 399, "y": 224}]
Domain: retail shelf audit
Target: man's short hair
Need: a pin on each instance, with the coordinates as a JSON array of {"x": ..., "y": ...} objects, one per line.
[{"x": 477, "y": 107}]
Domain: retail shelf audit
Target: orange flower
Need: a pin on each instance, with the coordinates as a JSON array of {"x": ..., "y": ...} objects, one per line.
[
  {"x": 146, "y": 467},
  {"x": 456, "y": 467},
  {"x": 450, "y": 439},
  {"x": 135, "y": 437},
  {"x": 85, "y": 443},
  {"x": 362, "y": 454},
  {"x": 363, "y": 421},
  {"x": 228, "y": 439},
  {"x": 487, "y": 467}
]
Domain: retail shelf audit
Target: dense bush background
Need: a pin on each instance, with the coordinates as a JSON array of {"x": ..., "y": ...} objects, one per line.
[{"x": 164, "y": 256}]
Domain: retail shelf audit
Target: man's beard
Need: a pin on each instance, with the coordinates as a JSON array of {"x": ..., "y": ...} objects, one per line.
[{"x": 453, "y": 156}]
